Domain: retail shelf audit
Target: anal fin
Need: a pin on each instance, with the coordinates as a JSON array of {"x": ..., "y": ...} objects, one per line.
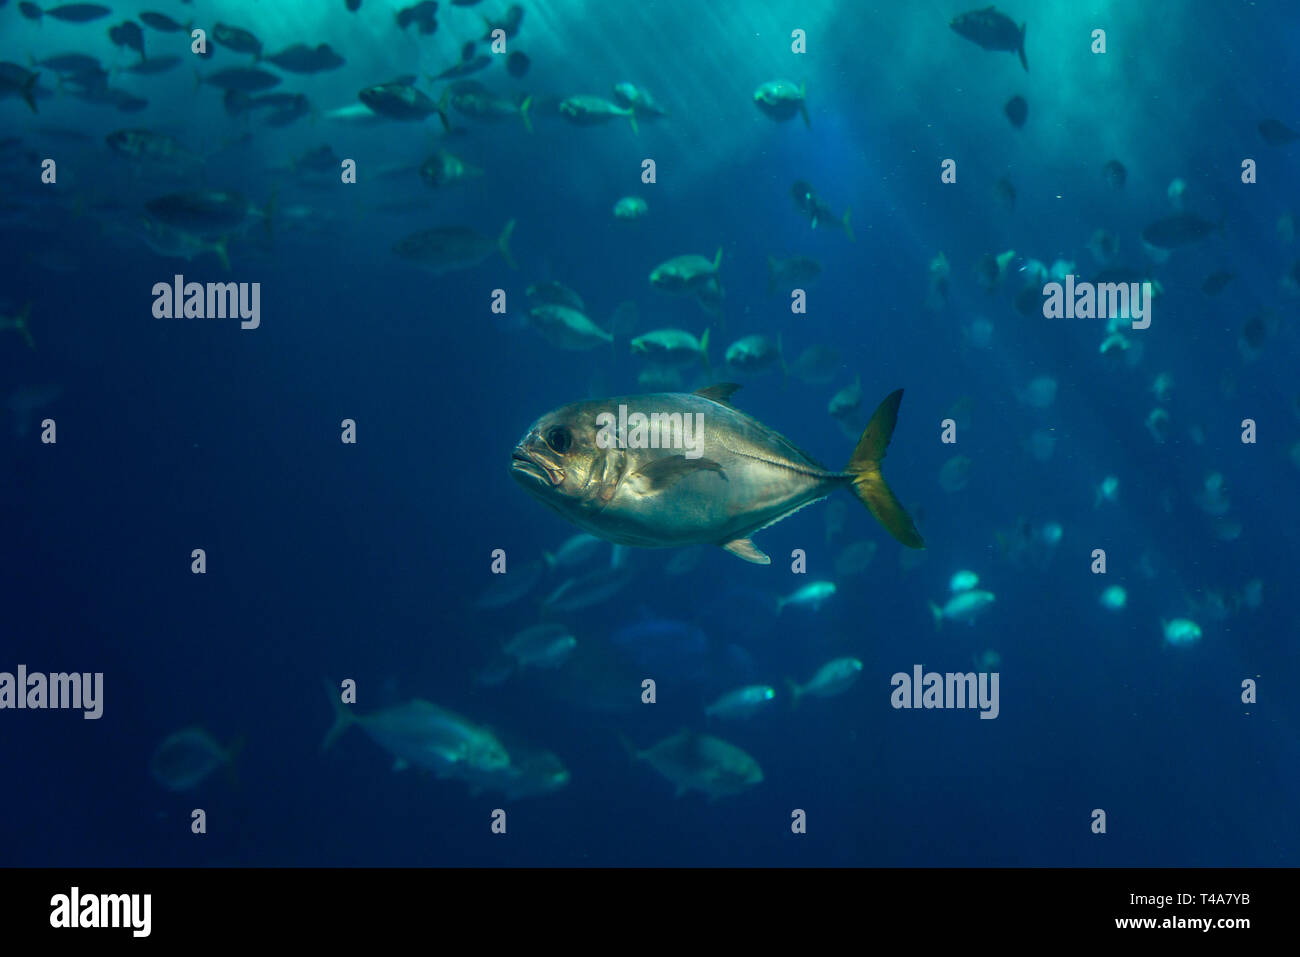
[{"x": 744, "y": 548}]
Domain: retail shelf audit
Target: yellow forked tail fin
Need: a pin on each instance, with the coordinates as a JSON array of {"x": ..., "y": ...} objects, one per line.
[{"x": 869, "y": 484}]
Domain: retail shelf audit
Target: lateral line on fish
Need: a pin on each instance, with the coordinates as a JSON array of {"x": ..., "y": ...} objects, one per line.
[{"x": 787, "y": 466}]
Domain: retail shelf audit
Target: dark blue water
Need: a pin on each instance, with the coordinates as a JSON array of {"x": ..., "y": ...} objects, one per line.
[{"x": 364, "y": 560}]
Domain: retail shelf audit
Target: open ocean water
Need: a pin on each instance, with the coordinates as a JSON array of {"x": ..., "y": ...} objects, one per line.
[{"x": 345, "y": 465}]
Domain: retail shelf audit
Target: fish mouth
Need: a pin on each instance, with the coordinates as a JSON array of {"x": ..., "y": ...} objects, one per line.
[{"x": 523, "y": 463}]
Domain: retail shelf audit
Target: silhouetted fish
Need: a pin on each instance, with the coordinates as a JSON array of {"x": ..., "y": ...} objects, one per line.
[
  {"x": 69, "y": 12},
  {"x": 206, "y": 211},
  {"x": 455, "y": 247},
  {"x": 1276, "y": 133},
  {"x": 517, "y": 64},
  {"x": 1017, "y": 111},
  {"x": 400, "y": 101},
  {"x": 237, "y": 39},
  {"x": 16, "y": 81},
  {"x": 465, "y": 67},
  {"x": 128, "y": 34},
  {"x": 424, "y": 15},
  {"x": 301, "y": 58},
  {"x": 243, "y": 79},
  {"x": 992, "y": 31},
  {"x": 1215, "y": 282},
  {"x": 1179, "y": 230},
  {"x": 162, "y": 23},
  {"x": 72, "y": 63}
]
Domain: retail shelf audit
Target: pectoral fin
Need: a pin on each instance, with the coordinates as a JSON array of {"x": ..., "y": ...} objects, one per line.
[
  {"x": 662, "y": 473},
  {"x": 744, "y": 548}
]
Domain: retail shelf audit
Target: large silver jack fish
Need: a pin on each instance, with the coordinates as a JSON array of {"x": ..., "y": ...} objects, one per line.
[{"x": 694, "y": 470}]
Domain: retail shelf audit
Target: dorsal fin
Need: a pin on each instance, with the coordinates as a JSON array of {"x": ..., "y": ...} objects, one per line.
[{"x": 720, "y": 392}]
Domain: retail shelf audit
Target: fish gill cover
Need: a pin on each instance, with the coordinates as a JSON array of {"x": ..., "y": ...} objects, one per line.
[{"x": 574, "y": 384}]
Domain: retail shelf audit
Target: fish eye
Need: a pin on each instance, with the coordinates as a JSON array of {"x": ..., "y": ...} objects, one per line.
[{"x": 559, "y": 439}]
